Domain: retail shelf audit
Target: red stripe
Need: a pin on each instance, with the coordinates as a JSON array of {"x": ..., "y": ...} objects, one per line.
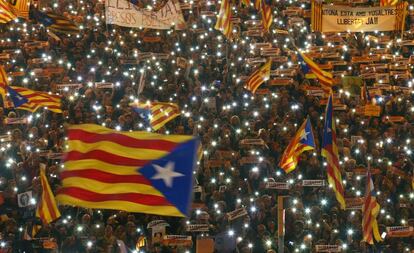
[
  {"x": 367, "y": 202},
  {"x": 338, "y": 185},
  {"x": 48, "y": 199},
  {"x": 328, "y": 148},
  {"x": 121, "y": 139},
  {"x": 105, "y": 157},
  {"x": 41, "y": 213},
  {"x": 105, "y": 177},
  {"x": 138, "y": 198}
]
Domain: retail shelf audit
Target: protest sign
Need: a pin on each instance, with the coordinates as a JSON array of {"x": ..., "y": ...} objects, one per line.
[{"x": 124, "y": 13}]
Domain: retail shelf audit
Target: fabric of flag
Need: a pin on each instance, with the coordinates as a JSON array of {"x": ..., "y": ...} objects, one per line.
[
  {"x": 388, "y": 2},
  {"x": 258, "y": 77},
  {"x": 6, "y": 12},
  {"x": 4, "y": 82},
  {"x": 17, "y": 99},
  {"x": 224, "y": 23},
  {"x": 31, "y": 231},
  {"x": 30, "y": 100},
  {"x": 21, "y": 8},
  {"x": 325, "y": 78},
  {"x": 301, "y": 142},
  {"x": 257, "y": 4},
  {"x": 131, "y": 171},
  {"x": 54, "y": 22},
  {"x": 370, "y": 211},
  {"x": 330, "y": 152},
  {"x": 158, "y": 113},
  {"x": 267, "y": 17},
  {"x": 47, "y": 209},
  {"x": 316, "y": 16},
  {"x": 400, "y": 14}
]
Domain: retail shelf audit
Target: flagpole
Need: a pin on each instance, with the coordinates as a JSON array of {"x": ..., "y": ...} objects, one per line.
[{"x": 280, "y": 224}]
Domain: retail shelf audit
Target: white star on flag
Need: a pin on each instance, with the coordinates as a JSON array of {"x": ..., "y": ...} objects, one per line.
[
  {"x": 166, "y": 173},
  {"x": 304, "y": 135}
]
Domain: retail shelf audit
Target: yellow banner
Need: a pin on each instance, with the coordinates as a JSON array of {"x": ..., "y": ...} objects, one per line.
[{"x": 331, "y": 18}]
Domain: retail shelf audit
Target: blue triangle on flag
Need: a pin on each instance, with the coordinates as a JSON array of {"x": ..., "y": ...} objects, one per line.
[
  {"x": 172, "y": 174},
  {"x": 304, "y": 67},
  {"x": 17, "y": 99}
]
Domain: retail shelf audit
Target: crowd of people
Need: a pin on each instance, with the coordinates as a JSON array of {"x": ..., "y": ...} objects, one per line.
[{"x": 203, "y": 73}]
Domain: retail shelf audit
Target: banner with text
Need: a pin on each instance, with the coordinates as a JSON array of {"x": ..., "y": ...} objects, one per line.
[
  {"x": 331, "y": 18},
  {"x": 124, "y": 13}
]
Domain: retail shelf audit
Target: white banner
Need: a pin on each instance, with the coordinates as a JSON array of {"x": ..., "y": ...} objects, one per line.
[
  {"x": 367, "y": 19},
  {"x": 124, "y": 13}
]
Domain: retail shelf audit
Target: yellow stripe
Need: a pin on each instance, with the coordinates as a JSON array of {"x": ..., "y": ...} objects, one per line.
[
  {"x": 99, "y": 165},
  {"x": 116, "y": 149},
  {"x": 106, "y": 188},
  {"x": 120, "y": 205},
  {"x": 92, "y": 128}
]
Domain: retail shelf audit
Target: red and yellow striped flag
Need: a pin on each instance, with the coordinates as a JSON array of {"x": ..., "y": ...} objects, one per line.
[
  {"x": 37, "y": 99},
  {"x": 267, "y": 17},
  {"x": 159, "y": 113},
  {"x": 259, "y": 76},
  {"x": 21, "y": 8},
  {"x": 257, "y": 4},
  {"x": 301, "y": 142},
  {"x": 388, "y": 2},
  {"x": 325, "y": 78},
  {"x": 370, "y": 211},
  {"x": 330, "y": 152},
  {"x": 224, "y": 23},
  {"x": 47, "y": 209},
  {"x": 4, "y": 82},
  {"x": 130, "y": 171},
  {"x": 6, "y": 12}
]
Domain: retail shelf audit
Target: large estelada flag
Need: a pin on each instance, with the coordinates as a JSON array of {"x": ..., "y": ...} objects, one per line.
[{"x": 130, "y": 171}]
